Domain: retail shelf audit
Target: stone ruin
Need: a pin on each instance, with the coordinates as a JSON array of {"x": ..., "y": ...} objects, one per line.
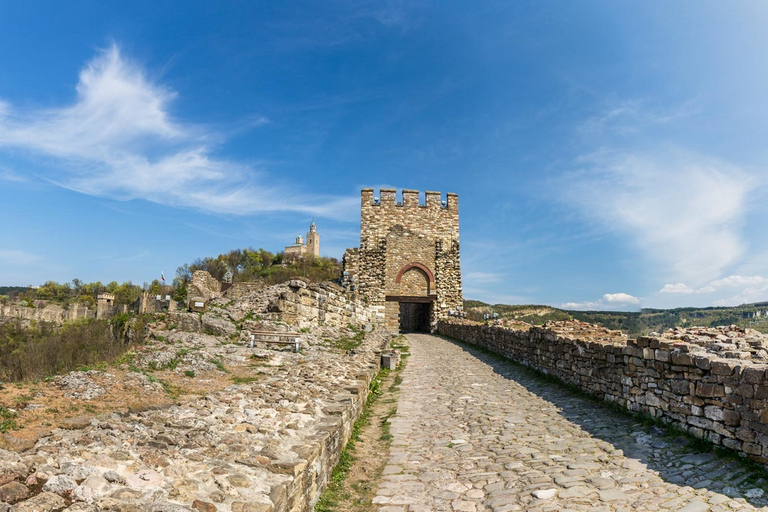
[{"x": 407, "y": 266}]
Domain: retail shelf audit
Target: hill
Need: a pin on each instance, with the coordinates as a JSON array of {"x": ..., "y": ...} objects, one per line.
[{"x": 633, "y": 323}]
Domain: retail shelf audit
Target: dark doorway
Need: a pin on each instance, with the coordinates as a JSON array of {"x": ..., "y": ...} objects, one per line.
[{"x": 414, "y": 316}]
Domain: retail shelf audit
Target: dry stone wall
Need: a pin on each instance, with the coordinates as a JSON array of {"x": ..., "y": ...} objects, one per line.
[{"x": 724, "y": 400}]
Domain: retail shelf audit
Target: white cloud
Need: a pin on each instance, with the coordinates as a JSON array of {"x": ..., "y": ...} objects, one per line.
[
  {"x": 678, "y": 288},
  {"x": 738, "y": 281},
  {"x": 586, "y": 306},
  {"x": 620, "y": 298},
  {"x": 732, "y": 290},
  {"x": 683, "y": 211},
  {"x": 118, "y": 140},
  {"x": 609, "y": 301}
]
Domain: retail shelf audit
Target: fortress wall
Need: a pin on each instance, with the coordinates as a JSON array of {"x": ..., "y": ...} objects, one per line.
[
  {"x": 50, "y": 313},
  {"x": 722, "y": 400},
  {"x": 321, "y": 304}
]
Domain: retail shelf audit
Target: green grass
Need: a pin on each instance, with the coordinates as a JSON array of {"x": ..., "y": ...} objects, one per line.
[
  {"x": 8, "y": 420},
  {"x": 23, "y": 399},
  {"x": 244, "y": 380},
  {"x": 385, "y": 426},
  {"x": 219, "y": 365},
  {"x": 347, "y": 343},
  {"x": 190, "y": 373}
]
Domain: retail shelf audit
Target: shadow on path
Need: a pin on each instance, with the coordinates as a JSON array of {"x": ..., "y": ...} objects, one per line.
[{"x": 673, "y": 457}]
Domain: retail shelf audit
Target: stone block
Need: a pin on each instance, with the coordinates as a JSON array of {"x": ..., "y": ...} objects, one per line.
[
  {"x": 702, "y": 362},
  {"x": 713, "y": 412},
  {"x": 754, "y": 374},
  {"x": 709, "y": 390},
  {"x": 681, "y": 359},
  {"x": 722, "y": 367}
]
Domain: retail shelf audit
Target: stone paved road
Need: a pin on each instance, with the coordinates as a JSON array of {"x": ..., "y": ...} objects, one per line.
[{"x": 474, "y": 433}]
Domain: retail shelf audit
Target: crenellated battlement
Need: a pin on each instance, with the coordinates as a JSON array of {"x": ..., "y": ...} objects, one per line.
[{"x": 387, "y": 198}]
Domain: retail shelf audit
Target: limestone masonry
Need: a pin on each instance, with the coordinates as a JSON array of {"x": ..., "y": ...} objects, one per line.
[
  {"x": 407, "y": 266},
  {"x": 715, "y": 391}
]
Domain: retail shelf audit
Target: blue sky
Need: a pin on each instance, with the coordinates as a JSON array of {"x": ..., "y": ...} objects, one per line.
[{"x": 607, "y": 155}]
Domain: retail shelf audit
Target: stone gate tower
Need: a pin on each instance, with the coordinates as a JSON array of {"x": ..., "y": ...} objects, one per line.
[{"x": 408, "y": 261}]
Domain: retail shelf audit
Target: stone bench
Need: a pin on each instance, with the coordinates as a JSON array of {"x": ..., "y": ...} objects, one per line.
[{"x": 283, "y": 338}]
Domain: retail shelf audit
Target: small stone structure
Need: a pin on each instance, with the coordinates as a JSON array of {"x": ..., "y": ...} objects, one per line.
[
  {"x": 723, "y": 400},
  {"x": 407, "y": 265},
  {"x": 300, "y": 249}
]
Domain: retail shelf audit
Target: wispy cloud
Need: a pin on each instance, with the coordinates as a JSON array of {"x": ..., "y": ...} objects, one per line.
[
  {"x": 633, "y": 116},
  {"x": 682, "y": 210},
  {"x": 119, "y": 140},
  {"x": 731, "y": 291},
  {"x": 609, "y": 301},
  {"x": 18, "y": 258}
]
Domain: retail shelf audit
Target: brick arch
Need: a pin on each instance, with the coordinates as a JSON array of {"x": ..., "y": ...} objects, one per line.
[{"x": 409, "y": 266}]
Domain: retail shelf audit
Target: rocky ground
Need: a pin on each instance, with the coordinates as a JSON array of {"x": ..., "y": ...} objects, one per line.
[
  {"x": 731, "y": 342},
  {"x": 188, "y": 421}
]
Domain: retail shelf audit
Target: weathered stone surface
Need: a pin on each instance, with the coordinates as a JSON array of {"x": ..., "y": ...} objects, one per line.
[
  {"x": 18, "y": 441},
  {"x": 474, "y": 432},
  {"x": 203, "y": 285},
  {"x": 13, "y": 492},
  {"x": 718, "y": 399},
  {"x": 45, "y": 502},
  {"x": 225, "y": 448}
]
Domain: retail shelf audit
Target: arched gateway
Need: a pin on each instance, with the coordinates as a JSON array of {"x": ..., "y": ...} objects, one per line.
[{"x": 408, "y": 261}]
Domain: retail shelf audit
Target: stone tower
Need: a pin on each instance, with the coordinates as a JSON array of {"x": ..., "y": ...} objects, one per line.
[
  {"x": 300, "y": 249},
  {"x": 408, "y": 261},
  {"x": 313, "y": 240}
]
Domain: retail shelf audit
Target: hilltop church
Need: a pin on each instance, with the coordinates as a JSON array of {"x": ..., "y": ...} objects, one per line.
[{"x": 300, "y": 249}]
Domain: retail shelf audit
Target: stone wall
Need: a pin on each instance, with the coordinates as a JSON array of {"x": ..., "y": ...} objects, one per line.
[
  {"x": 320, "y": 304},
  {"x": 407, "y": 250},
  {"x": 240, "y": 290},
  {"x": 203, "y": 285},
  {"x": 50, "y": 313},
  {"x": 722, "y": 400}
]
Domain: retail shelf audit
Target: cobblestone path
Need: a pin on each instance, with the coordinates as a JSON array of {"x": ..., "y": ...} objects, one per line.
[{"x": 474, "y": 433}]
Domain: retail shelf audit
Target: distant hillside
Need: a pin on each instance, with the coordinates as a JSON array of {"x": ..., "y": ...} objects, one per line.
[
  {"x": 12, "y": 291},
  {"x": 639, "y": 323}
]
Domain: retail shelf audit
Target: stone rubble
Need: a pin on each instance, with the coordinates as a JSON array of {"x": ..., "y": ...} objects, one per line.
[
  {"x": 730, "y": 342},
  {"x": 267, "y": 442}
]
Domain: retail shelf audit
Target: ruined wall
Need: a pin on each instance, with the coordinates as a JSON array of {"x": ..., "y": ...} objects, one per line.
[
  {"x": 50, "y": 313},
  {"x": 203, "y": 285},
  {"x": 722, "y": 400},
  {"x": 319, "y": 304},
  {"x": 394, "y": 236}
]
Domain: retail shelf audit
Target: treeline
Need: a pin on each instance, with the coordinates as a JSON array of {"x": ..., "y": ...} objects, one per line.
[
  {"x": 78, "y": 291},
  {"x": 249, "y": 264},
  {"x": 43, "y": 349}
]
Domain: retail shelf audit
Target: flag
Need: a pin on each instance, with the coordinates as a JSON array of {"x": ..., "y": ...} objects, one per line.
[{"x": 162, "y": 276}]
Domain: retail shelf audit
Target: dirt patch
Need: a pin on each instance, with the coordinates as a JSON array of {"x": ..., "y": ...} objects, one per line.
[{"x": 133, "y": 384}]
